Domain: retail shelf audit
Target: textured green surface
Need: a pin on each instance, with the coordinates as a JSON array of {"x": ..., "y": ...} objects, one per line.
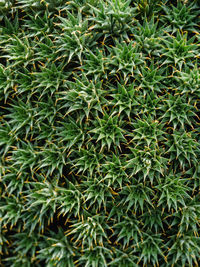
[{"x": 99, "y": 133}]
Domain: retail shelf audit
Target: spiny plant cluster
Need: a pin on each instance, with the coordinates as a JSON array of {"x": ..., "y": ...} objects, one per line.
[{"x": 99, "y": 133}]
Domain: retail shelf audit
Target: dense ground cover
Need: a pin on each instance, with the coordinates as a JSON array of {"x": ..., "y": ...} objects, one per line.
[{"x": 99, "y": 133}]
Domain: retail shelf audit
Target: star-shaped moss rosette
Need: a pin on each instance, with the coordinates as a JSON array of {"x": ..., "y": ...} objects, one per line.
[{"x": 99, "y": 133}]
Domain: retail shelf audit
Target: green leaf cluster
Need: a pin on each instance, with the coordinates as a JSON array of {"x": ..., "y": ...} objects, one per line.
[{"x": 99, "y": 133}]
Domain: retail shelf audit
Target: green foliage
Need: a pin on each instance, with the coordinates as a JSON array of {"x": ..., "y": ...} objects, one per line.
[
  {"x": 99, "y": 133},
  {"x": 113, "y": 18},
  {"x": 181, "y": 17},
  {"x": 124, "y": 59},
  {"x": 108, "y": 131},
  {"x": 177, "y": 49}
]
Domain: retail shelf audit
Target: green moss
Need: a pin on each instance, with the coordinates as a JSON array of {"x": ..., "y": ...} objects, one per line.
[{"x": 99, "y": 133}]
